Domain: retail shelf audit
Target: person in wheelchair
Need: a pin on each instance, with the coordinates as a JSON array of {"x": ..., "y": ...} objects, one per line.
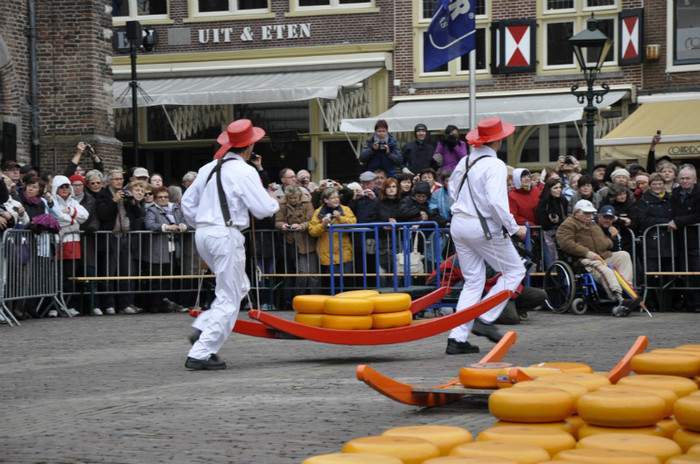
[{"x": 584, "y": 240}]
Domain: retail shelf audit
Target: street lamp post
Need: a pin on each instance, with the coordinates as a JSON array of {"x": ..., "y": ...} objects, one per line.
[{"x": 590, "y": 48}]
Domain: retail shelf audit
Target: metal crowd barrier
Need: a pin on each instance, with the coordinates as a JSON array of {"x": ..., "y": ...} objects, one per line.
[{"x": 29, "y": 272}]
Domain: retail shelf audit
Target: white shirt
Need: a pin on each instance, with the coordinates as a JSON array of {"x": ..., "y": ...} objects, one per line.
[
  {"x": 488, "y": 180},
  {"x": 244, "y": 192}
]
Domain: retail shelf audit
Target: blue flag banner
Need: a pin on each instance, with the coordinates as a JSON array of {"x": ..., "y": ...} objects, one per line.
[{"x": 451, "y": 33}]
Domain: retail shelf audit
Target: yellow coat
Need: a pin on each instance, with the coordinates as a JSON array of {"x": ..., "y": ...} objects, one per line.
[{"x": 316, "y": 229}]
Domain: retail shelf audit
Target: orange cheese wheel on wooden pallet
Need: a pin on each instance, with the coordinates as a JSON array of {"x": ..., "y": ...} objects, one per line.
[
  {"x": 389, "y": 320},
  {"x": 315, "y": 320},
  {"x": 531, "y": 404},
  {"x": 470, "y": 460},
  {"x": 411, "y": 450},
  {"x": 309, "y": 304},
  {"x": 679, "y": 385},
  {"x": 445, "y": 437},
  {"x": 621, "y": 408},
  {"x": 590, "y": 381},
  {"x": 687, "y": 412},
  {"x": 684, "y": 459},
  {"x": 519, "y": 452},
  {"x": 607, "y": 456},
  {"x": 357, "y": 294},
  {"x": 668, "y": 427},
  {"x": 686, "y": 438},
  {"x": 333, "y": 321},
  {"x": 682, "y": 365},
  {"x": 352, "y": 458},
  {"x": 667, "y": 395},
  {"x": 573, "y": 389},
  {"x": 662, "y": 448},
  {"x": 567, "y": 367},
  {"x": 551, "y": 439},
  {"x": 390, "y": 302},
  {"x": 481, "y": 375},
  {"x": 348, "y": 306},
  {"x": 588, "y": 430}
]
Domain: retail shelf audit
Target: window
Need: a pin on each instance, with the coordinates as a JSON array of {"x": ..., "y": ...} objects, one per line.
[
  {"x": 686, "y": 33},
  {"x": 559, "y": 52},
  {"x": 428, "y": 8},
  {"x": 324, "y": 4},
  {"x": 230, "y": 6},
  {"x": 139, "y": 8}
]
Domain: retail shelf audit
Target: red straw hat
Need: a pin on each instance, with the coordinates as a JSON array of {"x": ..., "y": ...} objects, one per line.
[
  {"x": 239, "y": 133},
  {"x": 489, "y": 130}
]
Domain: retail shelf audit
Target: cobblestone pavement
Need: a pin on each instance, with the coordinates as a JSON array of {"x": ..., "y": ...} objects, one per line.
[{"x": 114, "y": 389}]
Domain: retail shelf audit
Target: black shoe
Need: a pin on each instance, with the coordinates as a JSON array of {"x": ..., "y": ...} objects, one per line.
[
  {"x": 621, "y": 311},
  {"x": 631, "y": 303},
  {"x": 194, "y": 336},
  {"x": 455, "y": 347},
  {"x": 214, "y": 363},
  {"x": 483, "y": 329}
]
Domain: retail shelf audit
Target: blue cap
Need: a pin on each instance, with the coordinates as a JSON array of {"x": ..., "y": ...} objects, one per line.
[{"x": 607, "y": 210}]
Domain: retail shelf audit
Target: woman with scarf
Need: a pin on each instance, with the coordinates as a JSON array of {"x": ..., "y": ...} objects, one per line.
[
  {"x": 70, "y": 214},
  {"x": 450, "y": 149},
  {"x": 332, "y": 212},
  {"x": 387, "y": 209},
  {"x": 551, "y": 212},
  {"x": 654, "y": 207},
  {"x": 382, "y": 151},
  {"x": 622, "y": 199},
  {"x": 165, "y": 219}
]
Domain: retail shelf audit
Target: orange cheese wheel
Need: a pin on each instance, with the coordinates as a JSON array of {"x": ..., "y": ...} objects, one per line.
[
  {"x": 686, "y": 438},
  {"x": 567, "y": 462},
  {"x": 667, "y": 395},
  {"x": 679, "y": 385},
  {"x": 481, "y": 375},
  {"x": 590, "y": 381},
  {"x": 687, "y": 412},
  {"x": 607, "y": 456},
  {"x": 573, "y": 389},
  {"x": 469, "y": 460},
  {"x": 695, "y": 449},
  {"x": 348, "y": 306},
  {"x": 357, "y": 294},
  {"x": 315, "y": 320},
  {"x": 551, "y": 439},
  {"x": 668, "y": 427},
  {"x": 567, "y": 367},
  {"x": 682, "y": 365},
  {"x": 331, "y": 321},
  {"x": 309, "y": 304},
  {"x": 695, "y": 393},
  {"x": 390, "y": 302},
  {"x": 688, "y": 347},
  {"x": 561, "y": 425},
  {"x": 662, "y": 448},
  {"x": 389, "y": 320},
  {"x": 445, "y": 437},
  {"x": 676, "y": 351},
  {"x": 575, "y": 423},
  {"x": 352, "y": 458},
  {"x": 621, "y": 408},
  {"x": 684, "y": 459},
  {"x": 519, "y": 452},
  {"x": 588, "y": 430},
  {"x": 534, "y": 372},
  {"x": 411, "y": 450},
  {"x": 531, "y": 404}
]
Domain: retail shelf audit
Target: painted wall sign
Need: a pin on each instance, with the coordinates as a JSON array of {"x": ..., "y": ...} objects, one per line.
[{"x": 249, "y": 34}]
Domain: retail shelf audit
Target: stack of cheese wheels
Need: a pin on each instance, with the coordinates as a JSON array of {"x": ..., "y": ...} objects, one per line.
[
  {"x": 687, "y": 414},
  {"x": 411, "y": 450},
  {"x": 391, "y": 310},
  {"x": 348, "y": 313},
  {"x": 621, "y": 410},
  {"x": 551, "y": 439},
  {"x": 531, "y": 405},
  {"x": 522, "y": 453},
  {"x": 445, "y": 437},
  {"x": 482, "y": 375},
  {"x": 309, "y": 309},
  {"x": 662, "y": 448},
  {"x": 667, "y": 363}
]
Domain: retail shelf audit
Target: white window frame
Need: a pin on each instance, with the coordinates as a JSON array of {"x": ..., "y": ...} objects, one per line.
[
  {"x": 671, "y": 44},
  {"x": 579, "y": 21},
  {"x": 333, "y": 5},
  {"x": 133, "y": 16},
  {"x": 232, "y": 10}
]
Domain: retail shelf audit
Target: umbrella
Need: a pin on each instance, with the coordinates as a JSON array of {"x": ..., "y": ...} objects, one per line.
[{"x": 626, "y": 286}]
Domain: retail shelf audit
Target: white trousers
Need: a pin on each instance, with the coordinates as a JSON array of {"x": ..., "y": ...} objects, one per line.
[
  {"x": 223, "y": 251},
  {"x": 473, "y": 250}
]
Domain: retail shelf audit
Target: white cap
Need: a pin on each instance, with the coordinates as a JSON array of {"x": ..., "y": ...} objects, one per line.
[{"x": 585, "y": 206}]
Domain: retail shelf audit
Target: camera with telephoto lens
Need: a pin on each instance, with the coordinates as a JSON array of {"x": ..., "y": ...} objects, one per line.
[{"x": 382, "y": 146}]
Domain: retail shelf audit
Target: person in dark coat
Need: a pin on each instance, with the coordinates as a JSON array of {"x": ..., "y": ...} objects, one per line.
[
  {"x": 382, "y": 151},
  {"x": 622, "y": 199},
  {"x": 418, "y": 155},
  {"x": 551, "y": 212}
]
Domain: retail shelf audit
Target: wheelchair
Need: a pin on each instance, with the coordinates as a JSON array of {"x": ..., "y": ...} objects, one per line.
[{"x": 569, "y": 287}]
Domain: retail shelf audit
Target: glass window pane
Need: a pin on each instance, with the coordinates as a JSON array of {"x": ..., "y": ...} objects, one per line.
[
  {"x": 347, "y": 2},
  {"x": 252, "y": 4},
  {"x": 559, "y": 51},
  {"x": 152, "y": 7},
  {"x": 480, "y": 52},
  {"x": 428, "y": 8},
  {"x": 480, "y": 7},
  {"x": 120, "y": 7},
  {"x": 560, "y": 4},
  {"x": 594, "y": 3},
  {"x": 687, "y": 34},
  {"x": 531, "y": 148},
  {"x": 314, "y": 2},
  {"x": 213, "y": 5}
]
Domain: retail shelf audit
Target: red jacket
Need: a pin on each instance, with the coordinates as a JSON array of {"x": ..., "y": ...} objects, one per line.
[{"x": 523, "y": 205}]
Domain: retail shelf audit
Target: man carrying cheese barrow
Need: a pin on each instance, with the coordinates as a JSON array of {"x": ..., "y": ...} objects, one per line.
[
  {"x": 478, "y": 189},
  {"x": 218, "y": 204}
]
